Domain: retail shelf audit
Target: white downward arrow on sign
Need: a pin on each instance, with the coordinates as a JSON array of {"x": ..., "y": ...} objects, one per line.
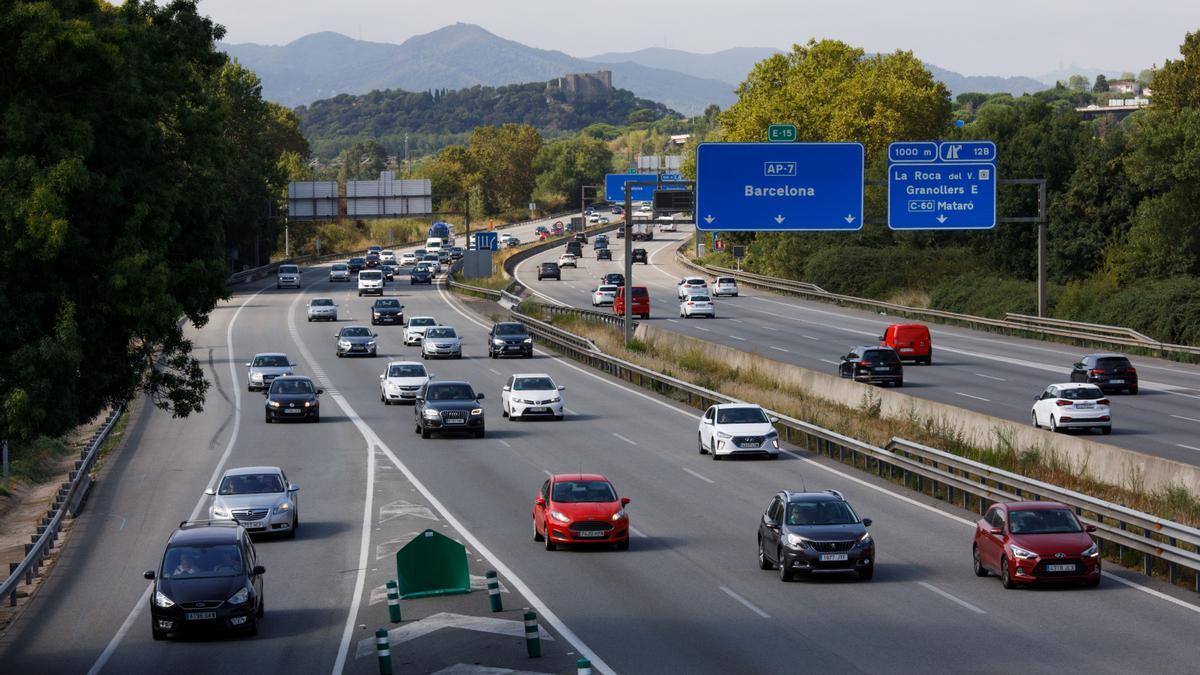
[
  {"x": 941, "y": 218},
  {"x": 779, "y": 218},
  {"x": 708, "y": 219},
  {"x": 849, "y": 218}
]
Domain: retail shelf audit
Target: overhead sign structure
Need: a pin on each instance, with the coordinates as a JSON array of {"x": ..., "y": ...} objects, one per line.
[
  {"x": 674, "y": 201},
  {"x": 781, "y": 133},
  {"x": 487, "y": 241},
  {"x": 614, "y": 185},
  {"x": 781, "y": 187},
  {"x": 946, "y": 185}
]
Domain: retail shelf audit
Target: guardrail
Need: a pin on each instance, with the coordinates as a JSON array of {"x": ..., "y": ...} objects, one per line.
[
  {"x": 70, "y": 497},
  {"x": 934, "y": 472},
  {"x": 1017, "y": 323}
]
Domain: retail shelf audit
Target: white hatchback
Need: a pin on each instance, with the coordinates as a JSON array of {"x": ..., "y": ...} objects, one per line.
[
  {"x": 725, "y": 286},
  {"x": 697, "y": 305},
  {"x": 604, "y": 295},
  {"x": 401, "y": 380},
  {"x": 1072, "y": 405},
  {"x": 408, "y": 259},
  {"x": 531, "y": 395},
  {"x": 414, "y": 332},
  {"x": 688, "y": 284},
  {"x": 568, "y": 260},
  {"x": 738, "y": 429}
]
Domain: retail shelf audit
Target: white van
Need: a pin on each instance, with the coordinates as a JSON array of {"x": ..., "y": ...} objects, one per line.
[{"x": 433, "y": 245}]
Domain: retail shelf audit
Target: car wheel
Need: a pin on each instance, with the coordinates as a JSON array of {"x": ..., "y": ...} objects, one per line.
[
  {"x": 1132, "y": 392},
  {"x": 267, "y": 418},
  {"x": 1106, "y": 430},
  {"x": 700, "y": 444},
  {"x": 503, "y": 411},
  {"x": 550, "y": 546},
  {"x": 310, "y": 319},
  {"x": 537, "y": 536},
  {"x": 316, "y": 419},
  {"x": 1005, "y": 576},
  {"x": 623, "y": 545},
  {"x": 249, "y": 388},
  {"x": 425, "y": 433},
  {"x": 158, "y": 634},
  {"x": 481, "y": 433},
  {"x": 340, "y": 355},
  {"x": 980, "y": 570},
  {"x": 785, "y": 574},
  {"x": 1035, "y": 420},
  {"x": 867, "y": 573},
  {"x": 763, "y": 563},
  {"x": 1092, "y": 583},
  {"x": 1054, "y": 425},
  {"x": 417, "y": 429}
]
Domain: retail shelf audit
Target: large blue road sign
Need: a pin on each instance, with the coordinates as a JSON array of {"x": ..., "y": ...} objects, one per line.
[
  {"x": 947, "y": 185},
  {"x": 614, "y": 186},
  {"x": 754, "y": 187},
  {"x": 487, "y": 241}
]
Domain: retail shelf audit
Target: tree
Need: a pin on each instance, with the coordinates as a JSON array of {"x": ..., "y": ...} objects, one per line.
[
  {"x": 1101, "y": 84},
  {"x": 1177, "y": 83},
  {"x": 502, "y": 165},
  {"x": 1145, "y": 77},
  {"x": 1077, "y": 82},
  {"x": 114, "y": 156},
  {"x": 362, "y": 161},
  {"x": 971, "y": 100},
  {"x": 565, "y": 165}
]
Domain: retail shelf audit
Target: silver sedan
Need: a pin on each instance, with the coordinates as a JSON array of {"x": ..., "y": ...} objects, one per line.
[{"x": 260, "y": 498}]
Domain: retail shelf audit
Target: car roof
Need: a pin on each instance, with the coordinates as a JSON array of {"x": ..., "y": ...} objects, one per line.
[
  {"x": 1073, "y": 385},
  {"x": 1026, "y": 506},
  {"x": 822, "y": 496},
  {"x": 1105, "y": 355},
  {"x": 206, "y": 532},
  {"x": 355, "y": 326},
  {"x": 292, "y": 378},
  {"x": 243, "y": 470},
  {"x": 421, "y": 317},
  {"x": 509, "y": 323},
  {"x": 578, "y": 476},
  {"x": 729, "y": 406},
  {"x": 521, "y": 375},
  {"x": 909, "y": 325},
  {"x": 269, "y": 354},
  {"x": 872, "y": 347},
  {"x": 686, "y": 279},
  {"x": 404, "y": 363}
]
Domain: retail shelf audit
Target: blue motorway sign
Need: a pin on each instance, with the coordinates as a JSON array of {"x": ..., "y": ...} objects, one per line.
[
  {"x": 614, "y": 186},
  {"x": 487, "y": 241},
  {"x": 946, "y": 185},
  {"x": 754, "y": 187}
]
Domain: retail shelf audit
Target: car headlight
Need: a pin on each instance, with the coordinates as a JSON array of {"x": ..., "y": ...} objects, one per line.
[
  {"x": 620, "y": 515},
  {"x": 1021, "y": 553},
  {"x": 556, "y": 399},
  {"x": 309, "y": 404},
  {"x": 865, "y": 540},
  {"x": 1092, "y": 551},
  {"x": 220, "y": 512},
  {"x": 161, "y": 600},
  {"x": 794, "y": 541},
  {"x": 723, "y": 435},
  {"x": 476, "y": 411},
  {"x": 497, "y": 342},
  {"x": 371, "y": 343},
  {"x": 240, "y": 597},
  {"x": 559, "y": 517},
  {"x": 274, "y": 404},
  {"x": 344, "y": 344},
  {"x": 432, "y": 414},
  {"x": 528, "y": 341},
  {"x": 257, "y": 377},
  {"x": 283, "y": 507},
  {"x": 376, "y": 314}
]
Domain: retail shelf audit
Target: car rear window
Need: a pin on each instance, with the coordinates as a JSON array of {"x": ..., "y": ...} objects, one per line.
[
  {"x": 1113, "y": 362},
  {"x": 577, "y": 491},
  {"x": 726, "y": 280},
  {"x": 1082, "y": 394},
  {"x": 881, "y": 355},
  {"x": 699, "y": 298},
  {"x": 640, "y": 292},
  {"x": 607, "y": 289}
]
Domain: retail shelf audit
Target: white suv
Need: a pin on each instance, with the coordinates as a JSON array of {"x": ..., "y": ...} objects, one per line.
[
  {"x": 738, "y": 429},
  {"x": 370, "y": 281},
  {"x": 531, "y": 395},
  {"x": 725, "y": 286},
  {"x": 388, "y": 257},
  {"x": 408, "y": 259},
  {"x": 289, "y": 275}
]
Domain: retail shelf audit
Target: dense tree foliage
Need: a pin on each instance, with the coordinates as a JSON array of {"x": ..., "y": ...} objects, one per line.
[
  {"x": 496, "y": 168},
  {"x": 566, "y": 165},
  {"x": 128, "y": 157}
]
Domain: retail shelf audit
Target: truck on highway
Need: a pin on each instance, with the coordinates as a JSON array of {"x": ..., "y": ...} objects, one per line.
[
  {"x": 442, "y": 230},
  {"x": 642, "y": 230}
]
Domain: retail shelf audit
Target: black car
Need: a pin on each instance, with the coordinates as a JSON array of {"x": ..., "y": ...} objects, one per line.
[
  {"x": 613, "y": 279},
  {"x": 448, "y": 407},
  {"x": 604, "y": 254},
  {"x": 421, "y": 274},
  {"x": 873, "y": 364},
  {"x": 443, "y": 256},
  {"x": 581, "y": 237},
  {"x": 355, "y": 340},
  {"x": 575, "y": 248},
  {"x": 387, "y": 310},
  {"x": 209, "y": 579},
  {"x": 389, "y": 271},
  {"x": 456, "y": 253},
  {"x": 1110, "y": 372},
  {"x": 639, "y": 256},
  {"x": 617, "y": 210},
  {"x": 510, "y": 338},
  {"x": 814, "y": 533},
  {"x": 356, "y": 265},
  {"x": 293, "y": 398},
  {"x": 549, "y": 270}
]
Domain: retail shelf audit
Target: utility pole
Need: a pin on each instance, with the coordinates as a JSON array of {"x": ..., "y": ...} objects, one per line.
[{"x": 4, "y": 445}]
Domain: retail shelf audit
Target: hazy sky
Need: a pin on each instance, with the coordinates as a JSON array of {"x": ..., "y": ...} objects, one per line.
[{"x": 1012, "y": 37}]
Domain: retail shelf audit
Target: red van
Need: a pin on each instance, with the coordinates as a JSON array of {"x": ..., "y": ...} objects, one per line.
[
  {"x": 910, "y": 340},
  {"x": 641, "y": 302}
]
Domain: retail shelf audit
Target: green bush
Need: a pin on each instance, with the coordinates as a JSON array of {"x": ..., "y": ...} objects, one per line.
[
  {"x": 985, "y": 295},
  {"x": 880, "y": 273},
  {"x": 1164, "y": 309}
]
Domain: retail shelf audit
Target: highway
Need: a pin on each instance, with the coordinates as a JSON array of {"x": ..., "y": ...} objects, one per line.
[
  {"x": 687, "y": 597},
  {"x": 988, "y": 373}
]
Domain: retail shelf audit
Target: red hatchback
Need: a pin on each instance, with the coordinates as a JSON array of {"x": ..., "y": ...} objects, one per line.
[
  {"x": 580, "y": 508},
  {"x": 1035, "y": 542}
]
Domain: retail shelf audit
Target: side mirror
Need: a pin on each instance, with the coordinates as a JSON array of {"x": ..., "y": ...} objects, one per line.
[
  {"x": 995, "y": 530},
  {"x": 337, "y": 335},
  {"x": 320, "y": 391},
  {"x": 259, "y": 569},
  {"x": 381, "y": 377},
  {"x": 540, "y": 501},
  {"x": 774, "y": 420},
  {"x": 247, "y": 365},
  {"x": 705, "y": 420},
  {"x": 561, "y": 387},
  {"x": 866, "y": 522},
  {"x": 420, "y": 399},
  {"x": 625, "y": 501},
  {"x": 148, "y": 574},
  {"x": 1089, "y": 528},
  {"x": 292, "y": 487},
  {"x": 210, "y": 492},
  {"x": 479, "y": 396}
]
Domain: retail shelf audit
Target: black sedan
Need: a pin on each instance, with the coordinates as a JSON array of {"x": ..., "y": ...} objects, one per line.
[
  {"x": 510, "y": 338},
  {"x": 356, "y": 265},
  {"x": 421, "y": 274},
  {"x": 448, "y": 407},
  {"x": 387, "y": 310},
  {"x": 355, "y": 340},
  {"x": 814, "y": 533},
  {"x": 613, "y": 279},
  {"x": 549, "y": 270},
  {"x": 293, "y": 398},
  {"x": 873, "y": 364},
  {"x": 389, "y": 271},
  {"x": 603, "y": 254},
  {"x": 639, "y": 256}
]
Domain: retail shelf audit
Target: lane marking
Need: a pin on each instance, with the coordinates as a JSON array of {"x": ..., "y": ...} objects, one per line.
[
  {"x": 637, "y": 533},
  {"x": 832, "y": 363},
  {"x": 736, "y": 320},
  {"x": 810, "y": 337},
  {"x": 496, "y": 372},
  {"x": 778, "y": 349},
  {"x": 977, "y": 398},
  {"x": 738, "y": 338},
  {"x": 547, "y": 472},
  {"x": 623, "y": 438},
  {"x": 951, "y": 598},
  {"x": 703, "y": 478},
  {"x": 991, "y": 377},
  {"x": 1189, "y": 419},
  {"x": 504, "y": 443},
  {"x": 1188, "y": 447},
  {"x": 569, "y": 411},
  {"x": 768, "y": 327},
  {"x": 703, "y": 329},
  {"x": 745, "y": 602},
  {"x": 673, "y": 320}
]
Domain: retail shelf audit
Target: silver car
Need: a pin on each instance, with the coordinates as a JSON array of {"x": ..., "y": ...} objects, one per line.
[
  {"x": 322, "y": 309},
  {"x": 265, "y": 368},
  {"x": 288, "y": 275},
  {"x": 355, "y": 340},
  {"x": 339, "y": 272},
  {"x": 441, "y": 341},
  {"x": 259, "y": 498}
]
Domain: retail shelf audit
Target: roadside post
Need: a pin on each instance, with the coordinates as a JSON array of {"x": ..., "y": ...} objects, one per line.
[
  {"x": 384, "y": 651},
  {"x": 393, "y": 599},
  {"x": 533, "y": 641},
  {"x": 493, "y": 589}
]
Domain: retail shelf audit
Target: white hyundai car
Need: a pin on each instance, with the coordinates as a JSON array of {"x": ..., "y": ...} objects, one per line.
[
  {"x": 604, "y": 295},
  {"x": 697, "y": 305},
  {"x": 414, "y": 332},
  {"x": 688, "y": 284},
  {"x": 1072, "y": 405},
  {"x": 568, "y": 260},
  {"x": 401, "y": 380},
  {"x": 738, "y": 429},
  {"x": 531, "y": 395}
]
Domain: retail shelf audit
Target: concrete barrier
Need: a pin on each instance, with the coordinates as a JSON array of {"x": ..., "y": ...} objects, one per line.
[{"x": 1100, "y": 461}]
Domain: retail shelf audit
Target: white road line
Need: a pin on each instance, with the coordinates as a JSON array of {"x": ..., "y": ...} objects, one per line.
[
  {"x": 778, "y": 349},
  {"x": 504, "y": 442},
  {"x": 496, "y": 372},
  {"x": 623, "y": 438},
  {"x": 951, "y": 598},
  {"x": 736, "y": 320},
  {"x": 706, "y": 480},
  {"x": 977, "y": 398},
  {"x": 637, "y": 533},
  {"x": 769, "y": 328},
  {"x": 1189, "y": 419},
  {"x": 569, "y": 411},
  {"x": 832, "y": 363},
  {"x": 737, "y": 338},
  {"x": 745, "y": 602},
  {"x": 703, "y": 329},
  {"x": 809, "y": 337},
  {"x": 1187, "y": 447},
  {"x": 673, "y": 320},
  {"x": 991, "y": 377}
]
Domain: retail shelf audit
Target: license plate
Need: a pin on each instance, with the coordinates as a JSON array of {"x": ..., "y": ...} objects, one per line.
[
  {"x": 454, "y": 421},
  {"x": 513, "y": 348},
  {"x": 591, "y": 533},
  {"x": 292, "y": 411},
  {"x": 1085, "y": 405},
  {"x": 253, "y": 525},
  {"x": 1116, "y": 381},
  {"x": 747, "y": 445},
  {"x": 1060, "y": 568},
  {"x": 539, "y": 410},
  {"x": 200, "y": 616},
  {"x": 834, "y": 557},
  {"x": 884, "y": 369}
]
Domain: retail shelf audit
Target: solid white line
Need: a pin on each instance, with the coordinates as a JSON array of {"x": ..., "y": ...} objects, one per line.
[
  {"x": 1181, "y": 417},
  {"x": 637, "y": 533},
  {"x": 809, "y": 337},
  {"x": 832, "y": 363},
  {"x": 778, "y": 349},
  {"x": 737, "y": 338},
  {"x": 1188, "y": 447},
  {"x": 977, "y": 398},
  {"x": 1150, "y": 591},
  {"x": 673, "y": 320},
  {"x": 236, "y": 384},
  {"x": 623, "y": 438},
  {"x": 504, "y": 443},
  {"x": 745, "y": 602},
  {"x": 706, "y": 480},
  {"x": 991, "y": 377},
  {"x": 951, "y": 598}
]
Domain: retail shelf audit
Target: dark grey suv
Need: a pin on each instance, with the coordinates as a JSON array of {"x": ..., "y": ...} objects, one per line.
[
  {"x": 448, "y": 407},
  {"x": 872, "y": 364},
  {"x": 814, "y": 532}
]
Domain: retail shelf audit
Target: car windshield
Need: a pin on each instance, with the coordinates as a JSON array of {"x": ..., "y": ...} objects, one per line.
[
  {"x": 357, "y": 261},
  {"x": 510, "y": 329},
  {"x": 450, "y": 392},
  {"x": 387, "y": 253},
  {"x": 271, "y": 361},
  {"x": 533, "y": 384},
  {"x": 371, "y": 275},
  {"x": 1081, "y": 394},
  {"x": 251, "y": 484},
  {"x": 423, "y": 267},
  {"x": 430, "y": 257},
  {"x": 821, "y": 513},
  {"x": 288, "y": 269},
  {"x": 291, "y": 387},
  {"x": 440, "y": 333},
  {"x": 389, "y": 303},
  {"x": 321, "y": 302},
  {"x": 576, "y": 491},
  {"x": 422, "y": 321},
  {"x": 741, "y": 416},
  {"x": 881, "y": 355},
  {"x": 340, "y": 267},
  {"x": 356, "y": 331},
  {"x": 406, "y": 370},
  {"x": 1042, "y": 521},
  {"x": 419, "y": 252},
  {"x": 200, "y": 561},
  {"x": 1111, "y": 363}
]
